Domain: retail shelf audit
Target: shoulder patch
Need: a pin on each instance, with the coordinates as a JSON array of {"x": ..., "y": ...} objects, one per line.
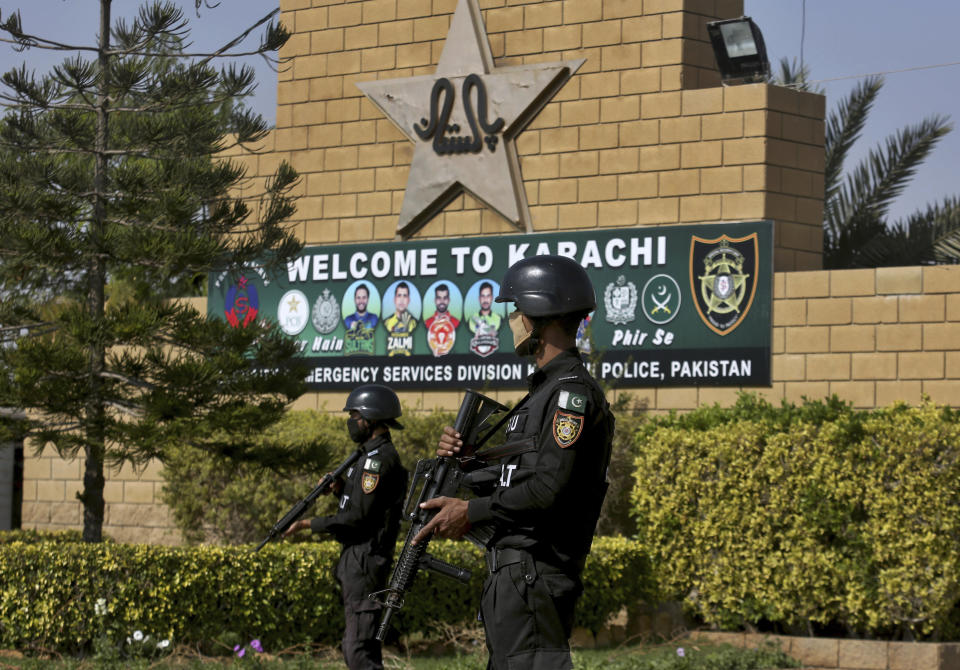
[
  {"x": 573, "y": 402},
  {"x": 369, "y": 482},
  {"x": 566, "y": 428},
  {"x": 372, "y": 465}
]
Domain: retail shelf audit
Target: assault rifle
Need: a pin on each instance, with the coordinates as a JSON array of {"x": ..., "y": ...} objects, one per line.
[
  {"x": 297, "y": 510},
  {"x": 435, "y": 477}
]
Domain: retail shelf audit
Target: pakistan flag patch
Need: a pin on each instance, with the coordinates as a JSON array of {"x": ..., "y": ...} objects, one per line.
[
  {"x": 573, "y": 402},
  {"x": 372, "y": 465},
  {"x": 566, "y": 428}
]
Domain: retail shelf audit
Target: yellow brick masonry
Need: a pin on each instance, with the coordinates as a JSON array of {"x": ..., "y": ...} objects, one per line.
[
  {"x": 643, "y": 134},
  {"x": 645, "y": 117},
  {"x": 832, "y": 333}
]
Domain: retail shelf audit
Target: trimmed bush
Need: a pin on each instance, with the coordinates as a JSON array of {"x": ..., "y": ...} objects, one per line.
[
  {"x": 806, "y": 516},
  {"x": 71, "y": 597},
  {"x": 215, "y": 499}
]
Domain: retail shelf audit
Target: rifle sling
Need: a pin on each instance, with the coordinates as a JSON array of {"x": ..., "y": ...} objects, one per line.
[
  {"x": 489, "y": 433},
  {"x": 508, "y": 449}
]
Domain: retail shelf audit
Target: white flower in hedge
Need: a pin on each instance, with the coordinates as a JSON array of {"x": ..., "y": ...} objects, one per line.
[
  {"x": 138, "y": 635},
  {"x": 100, "y": 607},
  {"x": 163, "y": 644}
]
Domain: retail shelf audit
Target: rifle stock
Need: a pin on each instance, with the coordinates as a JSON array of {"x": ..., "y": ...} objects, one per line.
[
  {"x": 298, "y": 510},
  {"x": 435, "y": 478}
]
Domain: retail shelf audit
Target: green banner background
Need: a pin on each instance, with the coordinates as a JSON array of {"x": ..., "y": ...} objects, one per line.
[{"x": 672, "y": 309}]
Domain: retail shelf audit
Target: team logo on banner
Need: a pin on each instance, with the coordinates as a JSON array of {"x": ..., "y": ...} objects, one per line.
[
  {"x": 242, "y": 303},
  {"x": 620, "y": 301},
  {"x": 292, "y": 312},
  {"x": 486, "y": 341},
  {"x": 441, "y": 334},
  {"x": 326, "y": 313},
  {"x": 723, "y": 279}
]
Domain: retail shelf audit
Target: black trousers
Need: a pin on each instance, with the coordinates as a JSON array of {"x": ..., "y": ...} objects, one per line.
[
  {"x": 361, "y": 573},
  {"x": 527, "y": 610}
]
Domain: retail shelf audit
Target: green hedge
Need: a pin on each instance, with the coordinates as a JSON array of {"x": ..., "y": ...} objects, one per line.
[
  {"x": 807, "y": 516},
  {"x": 283, "y": 595},
  {"x": 216, "y": 499}
]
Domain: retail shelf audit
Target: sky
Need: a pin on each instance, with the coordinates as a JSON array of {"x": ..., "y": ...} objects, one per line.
[{"x": 839, "y": 40}]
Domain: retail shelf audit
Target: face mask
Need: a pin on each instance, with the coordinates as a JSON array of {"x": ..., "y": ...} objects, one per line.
[
  {"x": 358, "y": 433},
  {"x": 523, "y": 342}
]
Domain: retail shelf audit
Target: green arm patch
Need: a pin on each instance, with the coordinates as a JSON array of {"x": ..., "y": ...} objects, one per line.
[{"x": 572, "y": 402}]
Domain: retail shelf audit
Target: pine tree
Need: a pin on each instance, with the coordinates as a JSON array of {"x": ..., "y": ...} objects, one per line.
[{"x": 113, "y": 202}]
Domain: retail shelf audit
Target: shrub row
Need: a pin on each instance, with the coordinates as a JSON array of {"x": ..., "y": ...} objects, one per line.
[
  {"x": 72, "y": 597},
  {"x": 807, "y": 516},
  {"x": 216, "y": 499}
]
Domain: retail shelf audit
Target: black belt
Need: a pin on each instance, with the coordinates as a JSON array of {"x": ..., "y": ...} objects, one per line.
[{"x": 502, "y": 557}]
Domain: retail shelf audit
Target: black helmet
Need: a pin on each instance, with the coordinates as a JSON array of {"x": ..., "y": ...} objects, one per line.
[
  {"x": 375, "y": 402},
  {"x": 544, "y": 286}
]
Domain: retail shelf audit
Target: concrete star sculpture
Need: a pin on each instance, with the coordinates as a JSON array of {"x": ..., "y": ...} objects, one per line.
[{"x": 464, "y": 121}]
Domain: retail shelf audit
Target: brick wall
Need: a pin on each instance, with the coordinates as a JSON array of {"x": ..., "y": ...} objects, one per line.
[
  {"x": 642, "y": 135},
  {"x": 134, "y": 511},
  {"x": 871, "y": 336}
]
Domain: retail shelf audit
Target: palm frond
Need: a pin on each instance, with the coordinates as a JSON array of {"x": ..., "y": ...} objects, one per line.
[
  {"x": 939, "y": 226},
  {"x": 843, "y": 128},
  {"x": 883, "y": 174},
  {"x": 796, "y": 76}
]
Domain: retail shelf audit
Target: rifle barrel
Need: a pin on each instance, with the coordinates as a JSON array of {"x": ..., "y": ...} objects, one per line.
[{"x": 297, "y": 510}]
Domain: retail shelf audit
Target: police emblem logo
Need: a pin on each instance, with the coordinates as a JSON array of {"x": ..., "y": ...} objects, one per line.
[
  {"x": 369, "y": 482},
  {"x": 326, "y": 313},
  {"x": 660, "y": 299},
  {"x": 723, "y": 279},
  {"x": 566, "y": 428},
  {"x": 620, "y": 301},
  {"x": 292, "y": 312}
]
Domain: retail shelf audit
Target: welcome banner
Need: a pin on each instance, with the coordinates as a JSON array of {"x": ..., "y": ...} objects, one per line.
[{"x": 676, "y": 306}]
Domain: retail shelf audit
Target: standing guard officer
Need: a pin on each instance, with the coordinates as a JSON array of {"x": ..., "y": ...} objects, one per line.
[
  {"x": 543, "y": 499},
  {"x": 367, "y": 521}
]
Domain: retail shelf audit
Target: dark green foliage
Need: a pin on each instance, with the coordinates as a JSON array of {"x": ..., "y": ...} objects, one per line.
[
  {"x": 112, "y": 202},
  {"x": 218, "y": 498}
]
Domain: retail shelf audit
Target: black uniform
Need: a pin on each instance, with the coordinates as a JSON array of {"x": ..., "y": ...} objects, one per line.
[
  {"x": 366, "y": 524},
  {"x": 543, "y": 501}
]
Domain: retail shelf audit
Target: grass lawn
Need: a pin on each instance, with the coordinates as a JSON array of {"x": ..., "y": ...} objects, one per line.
[{"x": 637, "y": 657}]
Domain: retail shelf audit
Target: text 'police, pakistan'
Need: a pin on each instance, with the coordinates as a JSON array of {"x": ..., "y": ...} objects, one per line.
[{"x": 658, "y": 368}]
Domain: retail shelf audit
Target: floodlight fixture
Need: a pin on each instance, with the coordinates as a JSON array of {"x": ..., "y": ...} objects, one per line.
[{"x": 739, "y": 49}]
